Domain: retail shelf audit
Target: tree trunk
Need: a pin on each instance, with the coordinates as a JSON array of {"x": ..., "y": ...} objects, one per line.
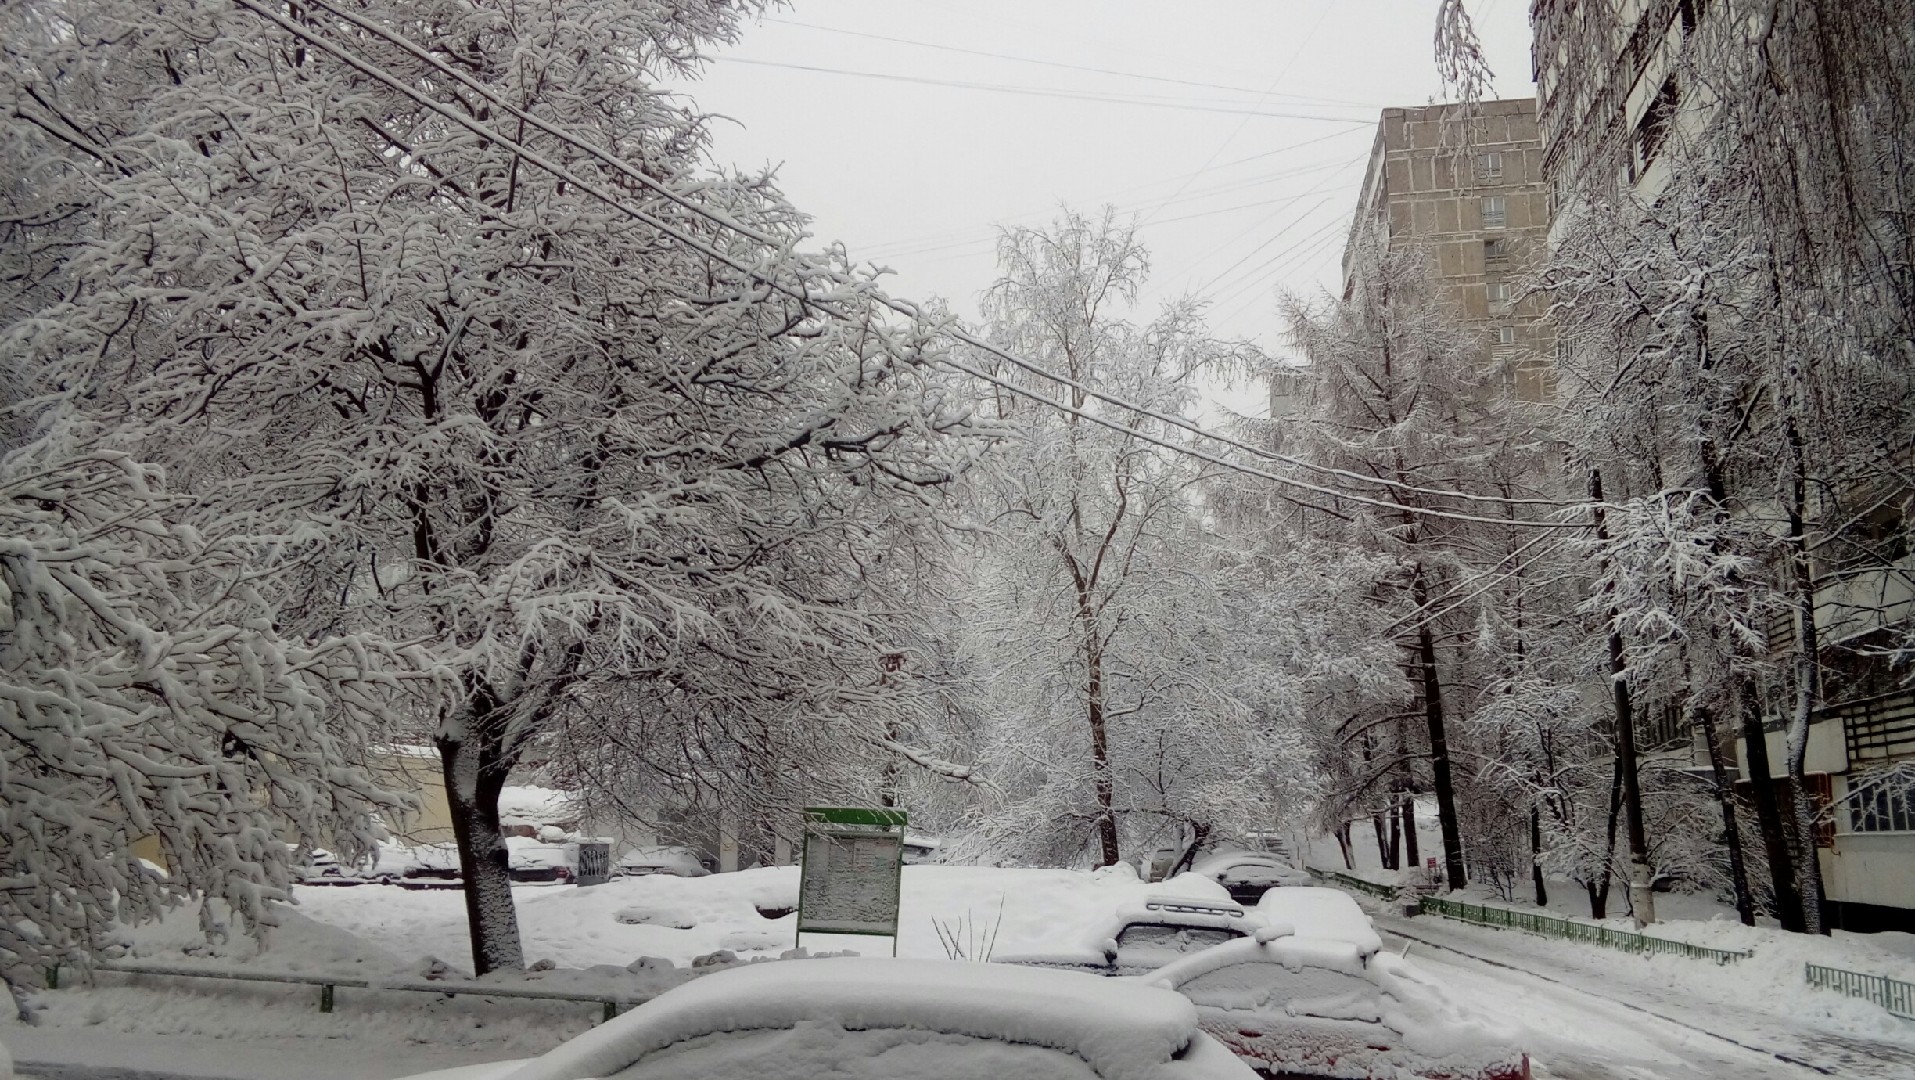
[
  {"x": 1439, "y": 740},
  {"x": 1384, "y": 855},
  {"x": 1101, "y": 779},
  {"x": 1536, "y": 855},
  {"x": 1768, "y": 812},
  {"x": 1808, "y": 688},
  {"x": 1412, "y": 858},
  {"x": 1642, "y": 900},
  {"x": 1731, "y": 830},
  {"x": 474, "y": 765},
  {"x": 1396, "y": 839},
  {"x": 1599, "y": 889},
  {"x": 1343, "y": 845}
]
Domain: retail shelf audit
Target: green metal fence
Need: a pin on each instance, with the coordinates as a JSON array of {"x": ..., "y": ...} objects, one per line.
[
  {"x": 1892, "y": 994},
  {"x": 1381, "y": 892},
  {"x": 1551, "y": 926}
]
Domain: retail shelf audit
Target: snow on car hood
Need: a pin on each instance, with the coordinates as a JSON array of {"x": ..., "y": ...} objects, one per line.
[{"x": 1124, "y": 1030}]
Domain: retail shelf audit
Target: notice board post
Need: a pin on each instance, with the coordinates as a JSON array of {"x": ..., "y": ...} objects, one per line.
[{"x": 852, "y": 868}]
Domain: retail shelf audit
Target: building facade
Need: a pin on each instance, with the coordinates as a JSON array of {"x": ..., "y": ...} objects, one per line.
[
  {"x": 1617, "y": 84},
  {"x": 1464, "y": 183}
]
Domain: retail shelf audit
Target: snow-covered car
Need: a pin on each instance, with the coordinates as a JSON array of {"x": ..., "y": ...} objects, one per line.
[
  {"x": 533, "y": 860},
  {"x": 674, "y": 861},
  {"x": 1143, "y": 937},
  {"x": 431, "y": 866},
  {"x": 852, "y": 1018},
  {"x": 317, "y": 866},
  {"x": 1296, "y": 1006},
  {"x": 1248, "y": 875},
  {"x": 1321, "y": 913}
]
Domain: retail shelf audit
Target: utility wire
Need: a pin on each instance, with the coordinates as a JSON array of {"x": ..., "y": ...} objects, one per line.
[
  {"x": 1068, "y": 67},
  {"x": 902, "y": 307},
  {"x": 1152, "y": 101}
]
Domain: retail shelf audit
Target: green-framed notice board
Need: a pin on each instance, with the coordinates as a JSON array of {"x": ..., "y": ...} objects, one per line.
[{"x": 851, "y": 873}]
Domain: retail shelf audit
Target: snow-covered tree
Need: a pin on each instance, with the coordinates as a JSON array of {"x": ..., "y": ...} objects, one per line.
[
  {"x": 1121, "y": 678},
  {"x": 146, "y": 693},
  {"x": 453, "y": 283}
]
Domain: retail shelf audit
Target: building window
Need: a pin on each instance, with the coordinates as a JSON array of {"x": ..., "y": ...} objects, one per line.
[
  {"x": 1489, "y": 166},
  {"x": 1498, "y": 293},
  {"x": 1885, "y": 805},
  {"x": 1505, "y": 336},
  {"x": 1495, "y": 212},
  {"x": 1652, "y": 131},
  {"x": 1495, "y": 252}
]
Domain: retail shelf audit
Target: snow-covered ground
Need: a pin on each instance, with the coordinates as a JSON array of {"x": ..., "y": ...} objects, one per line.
[{"x": 1580, "y": 1009}]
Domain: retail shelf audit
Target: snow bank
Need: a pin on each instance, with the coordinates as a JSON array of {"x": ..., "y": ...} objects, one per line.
[{"x": 1122, "y": 1029}]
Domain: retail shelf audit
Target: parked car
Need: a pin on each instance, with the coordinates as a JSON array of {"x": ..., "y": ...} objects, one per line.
[
  {"x": 1247, "y": 875},
  {"x": 674, "y": 861},
  {"x": 317, "y": 866},
  {"x": 858, "y": 1017},
  {"x": 1296, "y": 1006},
  {"x": 431, "y": 866},
  {"x": 1321, "y": 913},
  {"x": 533, "y": 860},
  {"x": 1143, "y": 937}
]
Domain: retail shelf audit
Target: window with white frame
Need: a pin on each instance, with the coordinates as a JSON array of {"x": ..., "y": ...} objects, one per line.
[
  {"x": 1505, "y": 336},
  {"x": 1495, "y": 212},
  {"x": 1884, "y": 805},
  {"x": 1497, "y": 292},
  {"x": 1489, "y": 166},
  {"x": 1495, "y": 251}
]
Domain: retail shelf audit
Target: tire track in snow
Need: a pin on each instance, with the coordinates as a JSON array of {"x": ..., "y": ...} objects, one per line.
[{"x": 1778, "y": 1055}]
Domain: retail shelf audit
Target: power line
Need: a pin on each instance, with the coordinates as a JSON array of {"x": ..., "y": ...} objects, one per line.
[
  {"x": 902, "y": 307},
  {"x": 1068, "y": 67},
  {"x": 1150, "y": 101}
]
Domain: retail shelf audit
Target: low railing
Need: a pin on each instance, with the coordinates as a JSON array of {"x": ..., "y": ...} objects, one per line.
[
  {"x": 611, "y": 1001},
  {"x": 1569, "y": 930},
  {"x": 1894, "y": 995},
  {"x": 1376, "y": 889}
]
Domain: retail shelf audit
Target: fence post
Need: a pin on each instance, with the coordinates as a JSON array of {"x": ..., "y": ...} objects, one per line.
[
  {"x": 53, "y": 977},
  {"x": 611, "y": 1012},
  {"x": 325, "y": 998}
]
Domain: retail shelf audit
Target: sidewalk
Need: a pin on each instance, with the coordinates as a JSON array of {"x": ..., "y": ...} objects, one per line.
[
  {"x": 71, "y": 1054},
  {"x": 1782, "y": 1027}
]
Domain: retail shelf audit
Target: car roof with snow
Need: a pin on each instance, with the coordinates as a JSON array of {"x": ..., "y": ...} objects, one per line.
[
  {"x": 1120, "y": 1030},
  {"x": 1108, "y": 942},
  {"x": 1314, "y": 912}
]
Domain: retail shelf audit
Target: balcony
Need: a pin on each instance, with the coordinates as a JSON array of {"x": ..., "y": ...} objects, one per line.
[{"x": 1878, "y": 728}]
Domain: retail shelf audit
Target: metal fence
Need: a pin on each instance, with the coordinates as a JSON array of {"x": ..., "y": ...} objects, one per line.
[
  {"x": 609, "y": 1001},
  {"x": 1551, "y": 926},
  {"x": 1892, "y": 994},
  {"x": 1381, "y": 892}
]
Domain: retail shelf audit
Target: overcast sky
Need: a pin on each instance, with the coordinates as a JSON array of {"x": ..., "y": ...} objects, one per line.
[{"x": 1234, "y": 131}]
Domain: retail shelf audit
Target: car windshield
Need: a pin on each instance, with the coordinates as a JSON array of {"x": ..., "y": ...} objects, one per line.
[
  {"x": 1272, "y": 986},
  {"x": 1164, "y": 937},
  {"x": 817, "y": 1048}
]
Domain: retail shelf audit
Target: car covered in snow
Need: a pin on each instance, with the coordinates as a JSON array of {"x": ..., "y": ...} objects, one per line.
[
  {"x": 1247, "y": 875},
  {"x": 1321, "y": 913},
  {"x": 1297, "y": 1006},
  {"x": 1145, "y": 936},
  {"x": 670, "y": 860},
  {"x": 856, "y": 1018},
  {"x": 534, "y": 860}
]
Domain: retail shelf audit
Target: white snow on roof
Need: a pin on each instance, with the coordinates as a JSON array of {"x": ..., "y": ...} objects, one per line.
[
  {"x": 1125, "y": 1031},
  {"x": 1321, "y": 913}
]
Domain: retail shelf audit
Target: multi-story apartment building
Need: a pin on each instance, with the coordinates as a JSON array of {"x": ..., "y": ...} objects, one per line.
[
  {"x": 1612, "y": 96},
  {"x": 1465, "y": 184}
]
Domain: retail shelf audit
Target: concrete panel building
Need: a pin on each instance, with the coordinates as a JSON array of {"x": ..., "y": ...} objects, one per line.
[{"x": 1465, "y": 184}]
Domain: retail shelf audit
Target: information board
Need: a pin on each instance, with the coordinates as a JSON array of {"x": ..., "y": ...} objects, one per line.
[{"x": 849, "y": 880}]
